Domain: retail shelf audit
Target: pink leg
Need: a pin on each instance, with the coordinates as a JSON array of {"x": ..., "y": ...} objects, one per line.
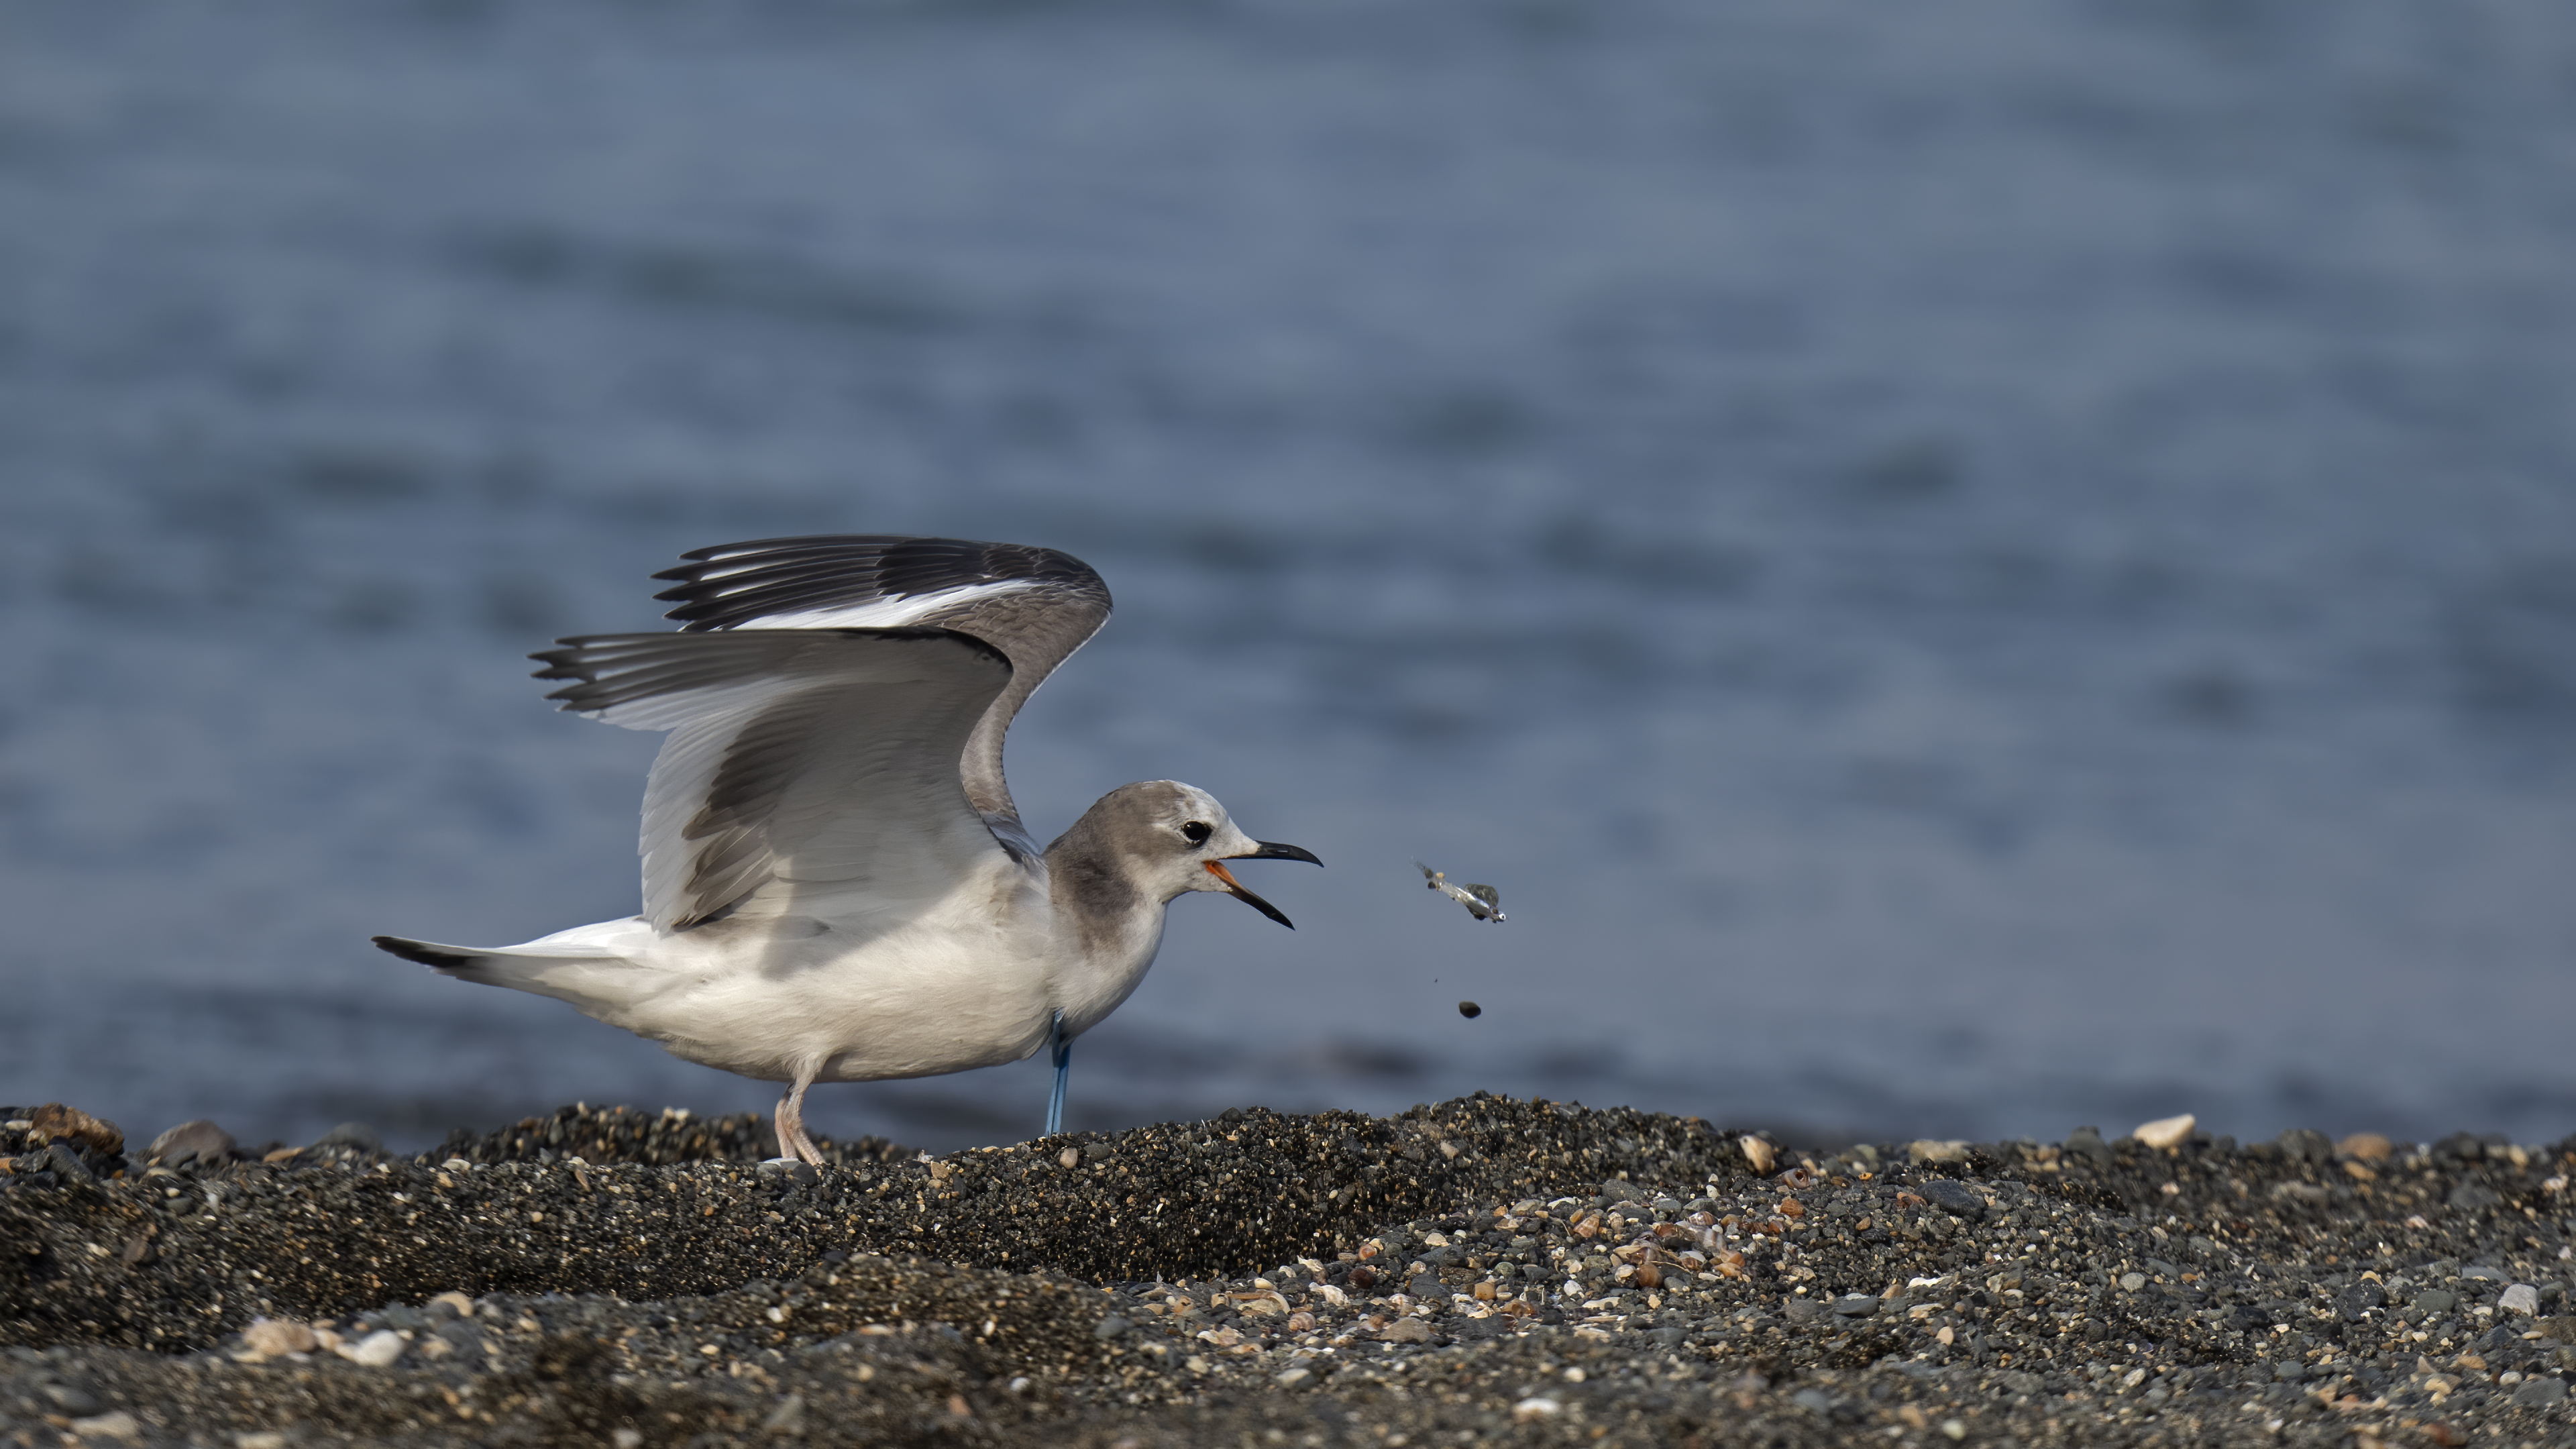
[{"x": 792, "y": 1141}]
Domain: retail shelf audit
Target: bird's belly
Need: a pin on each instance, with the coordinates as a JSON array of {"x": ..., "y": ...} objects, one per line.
[{"x": 908, "y": 1004}]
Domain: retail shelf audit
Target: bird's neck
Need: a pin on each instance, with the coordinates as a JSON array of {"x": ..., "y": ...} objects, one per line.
[{"x": 1107, "y": 929}]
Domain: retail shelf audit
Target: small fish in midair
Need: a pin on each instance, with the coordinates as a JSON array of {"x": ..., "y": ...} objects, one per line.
[{"x": 1482, "y": 901}]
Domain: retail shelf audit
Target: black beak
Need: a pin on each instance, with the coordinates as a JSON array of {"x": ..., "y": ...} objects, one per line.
[
  {"x": 1267, "y": 851},
  {"x": 1272, "y": 850}
]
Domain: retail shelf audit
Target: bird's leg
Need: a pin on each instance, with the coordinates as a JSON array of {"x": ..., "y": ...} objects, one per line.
[
  {"x": 792, "y": 1141},
  {"x": 1061, "y": 1046}
]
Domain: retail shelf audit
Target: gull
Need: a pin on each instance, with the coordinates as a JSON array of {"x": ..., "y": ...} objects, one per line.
[
  {"x": 837, "y": 887},
  {"x": 1482, "y": 901}
]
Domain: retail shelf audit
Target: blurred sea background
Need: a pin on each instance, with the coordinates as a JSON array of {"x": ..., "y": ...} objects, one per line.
[{"x": 1966, "y": 570}]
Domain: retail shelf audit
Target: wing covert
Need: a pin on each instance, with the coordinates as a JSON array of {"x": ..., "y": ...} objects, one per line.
[
  {"x": 808, "y": 757},
  {"x": 1035, "y": 605}
]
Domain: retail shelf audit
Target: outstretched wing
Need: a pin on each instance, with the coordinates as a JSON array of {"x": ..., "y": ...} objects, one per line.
[
  {"x": 1035, "y": 605},
  {"x": 1492, "y": 898},
  {"x": 812, "y": 757}
]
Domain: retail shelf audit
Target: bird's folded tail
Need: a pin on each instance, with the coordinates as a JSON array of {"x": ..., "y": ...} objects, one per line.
[
  {"x": 590, "y": 975},
  {"x": 445, "y": 958}
]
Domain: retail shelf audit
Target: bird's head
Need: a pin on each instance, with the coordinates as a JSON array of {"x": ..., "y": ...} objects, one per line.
[{"x": 1173, "y": 838}]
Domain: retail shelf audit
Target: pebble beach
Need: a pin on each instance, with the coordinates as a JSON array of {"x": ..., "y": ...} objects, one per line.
[{"x": 1483, "y": 1270}]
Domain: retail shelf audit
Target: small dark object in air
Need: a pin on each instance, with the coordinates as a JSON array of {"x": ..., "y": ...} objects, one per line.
[
  {"x": 1482, "y": 901},
  {"x": 1470, "y": 1010}
]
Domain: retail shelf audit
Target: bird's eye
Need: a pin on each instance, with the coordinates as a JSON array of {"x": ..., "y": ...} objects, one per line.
[{"x": 1196, "y": 832}]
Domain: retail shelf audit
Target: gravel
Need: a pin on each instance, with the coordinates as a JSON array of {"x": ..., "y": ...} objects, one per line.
[{"x": 1481, "y": 1270}]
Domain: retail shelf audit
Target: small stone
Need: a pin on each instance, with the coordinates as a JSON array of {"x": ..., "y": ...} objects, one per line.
[
  {"x": 200, "y": 1142},
  {"x": 1855, "y": 1305},
  {"x": 624, "y": 1438},
  {"x": 353, "y": 1136},
  {"x": 788, "y": 1417},
  {"x": 2474, "y": 1197},
  {"x": 2436, "y": 1300},
  {"x": 2132, "y": 1282},
  {"x": 60, "y": 1160},
  {"x": 376, "y": 1350},
  {"x": 1406, "y": 1330},
  {"x": 1427, "y": 1288},
  {"x": 2366, "y": 1147},
  {"x": 2520, "y": 1298},
  {"x": 2300, "y": 1144},
  {"x": 2540, "y": 1393},
  {"x": 1814, "y": 1401},
  {"x": 276, "y": 1439},
  {"x": 1112, "y": 1327},
  {"x": 1537, "y": 1406},
  {"x": 72, "y": 1399},
  {"x": 1955, "y": 1196},
  {"x": 1292, "y": 1378},
  {"x": 1928, "y": 1150},
  {"x": 2166, "y": 1131},
  {"x": 795, "y": 1170},
  {"x": 1069, "y": 1159},
  {"x": 270, "y": 1337},
  {"x": 90, "y": 1133},
  {"x": 2086, "y": 1142},
  {"x": 1953, "y": 1429},
  {"x": 457, "y": 1303},
  {"x": 1757, "y": 1152},
  {"x": 1470, "y": 1010},
  {"x": 116, "y": 1424}
]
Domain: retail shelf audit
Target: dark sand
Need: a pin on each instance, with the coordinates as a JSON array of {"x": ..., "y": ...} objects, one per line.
[{"x": 633, "y": 1278}]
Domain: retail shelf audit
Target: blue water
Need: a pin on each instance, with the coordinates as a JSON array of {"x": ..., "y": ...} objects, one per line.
[{"x": 1965, "y": 570}]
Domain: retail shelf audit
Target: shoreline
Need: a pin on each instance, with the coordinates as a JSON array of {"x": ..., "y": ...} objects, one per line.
[{"x": 1514, "y": 1272}]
